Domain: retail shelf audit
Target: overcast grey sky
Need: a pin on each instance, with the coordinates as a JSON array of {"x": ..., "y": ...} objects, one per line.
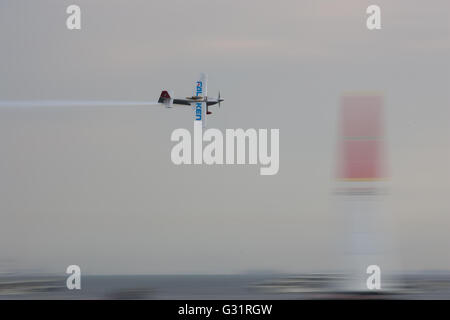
[{"x": 96, "y": 186}]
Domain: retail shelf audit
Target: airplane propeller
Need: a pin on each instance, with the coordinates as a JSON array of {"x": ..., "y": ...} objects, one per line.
[{"x": 218, "y": 99}]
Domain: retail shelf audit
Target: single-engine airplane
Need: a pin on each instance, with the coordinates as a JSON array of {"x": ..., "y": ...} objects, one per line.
[{"x": 199, "y": 100}]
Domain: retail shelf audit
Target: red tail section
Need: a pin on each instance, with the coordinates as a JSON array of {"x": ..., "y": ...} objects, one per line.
[{"x": 164, "y": 96}]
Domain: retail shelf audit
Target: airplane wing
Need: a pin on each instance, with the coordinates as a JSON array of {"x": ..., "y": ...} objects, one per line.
[
  {"x": 201, "y": 90},
  {"x": 204, "y": 79}
]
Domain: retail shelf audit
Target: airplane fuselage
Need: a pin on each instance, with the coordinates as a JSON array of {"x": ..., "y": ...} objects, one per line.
[{"x": 188, "y": 102}]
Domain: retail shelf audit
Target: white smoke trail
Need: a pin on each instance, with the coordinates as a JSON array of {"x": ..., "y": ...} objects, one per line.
[{"x": 72, "y": 103}]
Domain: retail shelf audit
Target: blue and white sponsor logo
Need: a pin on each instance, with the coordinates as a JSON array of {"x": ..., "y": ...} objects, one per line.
[{"x": 198, "y": 105}]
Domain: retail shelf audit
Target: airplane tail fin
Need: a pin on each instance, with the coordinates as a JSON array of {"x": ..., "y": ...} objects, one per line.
[{"x": 166, "y": 98}]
